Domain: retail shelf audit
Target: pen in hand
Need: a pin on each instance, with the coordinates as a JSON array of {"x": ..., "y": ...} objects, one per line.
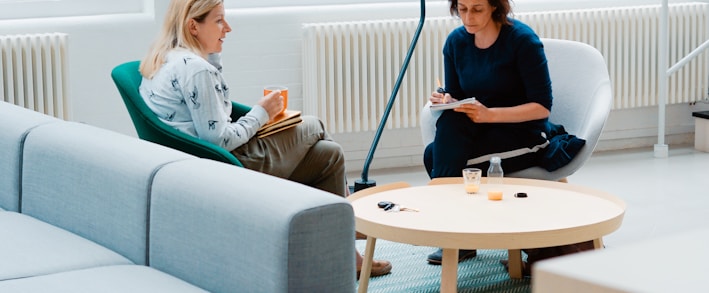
[{"x": 442, "y": 91}]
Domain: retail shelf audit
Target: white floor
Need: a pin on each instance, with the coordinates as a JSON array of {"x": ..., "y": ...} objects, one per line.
[{"x": 663, "y": 195}]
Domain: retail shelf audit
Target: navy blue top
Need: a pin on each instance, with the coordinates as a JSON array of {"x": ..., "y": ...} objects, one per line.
[{"x": 513, "y": 71}]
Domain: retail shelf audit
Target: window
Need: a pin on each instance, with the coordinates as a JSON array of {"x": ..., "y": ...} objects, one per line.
[{"x": 17, "y": 9}]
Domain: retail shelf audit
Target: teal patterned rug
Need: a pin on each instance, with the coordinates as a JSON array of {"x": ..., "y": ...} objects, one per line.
[{"x": 412, "y": 273}]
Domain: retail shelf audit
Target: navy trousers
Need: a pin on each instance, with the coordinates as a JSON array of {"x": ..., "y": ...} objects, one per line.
[{"x": 461, "y": 143}]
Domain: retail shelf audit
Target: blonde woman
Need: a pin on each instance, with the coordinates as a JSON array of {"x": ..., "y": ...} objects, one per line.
[{"x": 183, "y": 85}]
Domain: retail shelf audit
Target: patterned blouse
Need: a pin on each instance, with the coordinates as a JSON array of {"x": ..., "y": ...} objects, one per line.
[{"x": 190, "y": 94}]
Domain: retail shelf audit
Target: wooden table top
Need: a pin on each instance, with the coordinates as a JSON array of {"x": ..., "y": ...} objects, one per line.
[{"x": 553, "y": 214}]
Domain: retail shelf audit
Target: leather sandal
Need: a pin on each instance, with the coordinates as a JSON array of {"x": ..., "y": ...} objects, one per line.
[{"x": 379, "y": 268}]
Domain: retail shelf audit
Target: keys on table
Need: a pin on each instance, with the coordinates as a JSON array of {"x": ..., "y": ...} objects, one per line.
[{"x": 393, "y": 207}]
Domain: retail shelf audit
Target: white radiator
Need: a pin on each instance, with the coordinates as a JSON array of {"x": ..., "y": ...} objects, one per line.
[
  {"x": 34, "y": 72},
  {"x": 349, "y": 68}
]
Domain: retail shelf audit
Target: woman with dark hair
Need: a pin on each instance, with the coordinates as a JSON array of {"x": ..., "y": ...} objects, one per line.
[{"x": 500, "y": 62}]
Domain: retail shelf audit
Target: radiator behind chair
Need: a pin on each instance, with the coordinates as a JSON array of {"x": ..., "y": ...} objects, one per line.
[
  {"x": 349, "y": 68},
  {"x": 33, "y": 71}
]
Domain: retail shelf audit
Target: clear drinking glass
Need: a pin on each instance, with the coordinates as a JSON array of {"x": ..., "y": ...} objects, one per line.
[{"x": 471, "y": 179}]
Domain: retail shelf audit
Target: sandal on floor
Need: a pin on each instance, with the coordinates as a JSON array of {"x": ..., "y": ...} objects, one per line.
[{"x": 379, "y": 268}]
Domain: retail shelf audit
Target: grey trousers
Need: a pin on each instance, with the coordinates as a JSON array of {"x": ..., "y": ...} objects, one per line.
[{"x": 305, "y": 154}]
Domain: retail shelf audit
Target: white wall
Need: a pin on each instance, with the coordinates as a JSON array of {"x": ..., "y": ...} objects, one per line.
[
  {"x": 96, "y": 45},
  {"x": 265, "y": 48}
]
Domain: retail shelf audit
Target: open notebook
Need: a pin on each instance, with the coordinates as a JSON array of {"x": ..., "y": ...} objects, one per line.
[
  {"x": 452, "y": 105},
  {"x": 288, "y": 119}
]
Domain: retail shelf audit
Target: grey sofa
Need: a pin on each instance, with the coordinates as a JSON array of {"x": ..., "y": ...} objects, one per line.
[{"x": 84, "y": 209}]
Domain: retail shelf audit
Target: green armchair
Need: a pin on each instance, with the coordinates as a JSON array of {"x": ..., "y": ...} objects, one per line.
[{"x": 149, "y": 127}]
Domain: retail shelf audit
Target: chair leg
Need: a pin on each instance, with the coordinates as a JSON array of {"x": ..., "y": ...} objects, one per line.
[{"x": 564, "y": 180}]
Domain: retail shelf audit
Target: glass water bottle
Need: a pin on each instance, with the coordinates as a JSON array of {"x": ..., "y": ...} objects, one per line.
[
  {"x": 494, "y": 179},
  {"x": 494, "y": 172}
]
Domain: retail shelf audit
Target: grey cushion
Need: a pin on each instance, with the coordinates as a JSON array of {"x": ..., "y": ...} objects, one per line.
[
  {"x": 30, "y": 247},
  {"x": 96, "y": 183},
  {"x": 119, "y": 279},
  {"x": 235, "y": 228},
  {"x": 15, "y": 122}
]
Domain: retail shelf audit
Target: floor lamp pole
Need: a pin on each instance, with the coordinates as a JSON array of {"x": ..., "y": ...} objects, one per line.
[{"x": 365, "y": 182}]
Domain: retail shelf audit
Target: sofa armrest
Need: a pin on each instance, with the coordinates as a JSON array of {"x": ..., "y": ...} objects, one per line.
[{"x": 225, "y": 228}]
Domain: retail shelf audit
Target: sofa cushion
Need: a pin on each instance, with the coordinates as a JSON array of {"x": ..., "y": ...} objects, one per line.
[
  {"x": 236, "y": 228},
  {"x": 15, "y": 122},
  {"x": 93, "y": 182},
  {"x": 30, "y": 247},
  {"x": 119, "y": 279}
]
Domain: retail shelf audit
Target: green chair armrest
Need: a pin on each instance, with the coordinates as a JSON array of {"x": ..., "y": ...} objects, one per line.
[
  {"x": 238, "y": 110},
  {"x": 149, "y": 127}
]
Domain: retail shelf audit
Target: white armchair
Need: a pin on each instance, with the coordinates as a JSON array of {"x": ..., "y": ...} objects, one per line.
[{"x": 582, "y": 101}]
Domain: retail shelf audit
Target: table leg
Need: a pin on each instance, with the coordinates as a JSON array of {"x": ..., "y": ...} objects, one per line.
[
  {"x": 449, "y": 270},
  {"x": 598, "y": 243},
  {"x": 514, "y": 263},
  {"x": 366, "y": 264}
]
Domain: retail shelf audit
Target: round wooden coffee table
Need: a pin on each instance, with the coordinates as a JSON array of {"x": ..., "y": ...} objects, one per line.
[{"x": 553, "y": 213}]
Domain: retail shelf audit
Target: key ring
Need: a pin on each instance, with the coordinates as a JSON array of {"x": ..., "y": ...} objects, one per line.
[{"x": 393, "y": 207}]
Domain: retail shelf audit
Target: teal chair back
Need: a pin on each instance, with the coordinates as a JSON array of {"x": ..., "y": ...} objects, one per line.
[{"x": 149, "y": 127}]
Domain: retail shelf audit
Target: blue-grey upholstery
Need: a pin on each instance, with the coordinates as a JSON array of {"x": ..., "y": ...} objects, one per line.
[
  {"x": 249, "y": 231},
  {"x": 96, "y": 183},
  {"x": 15, "y": 123},
  {"x": 30, "y": 247},
  {"x": 90, "y": 210},
  {"x": 106, "y": 279}
]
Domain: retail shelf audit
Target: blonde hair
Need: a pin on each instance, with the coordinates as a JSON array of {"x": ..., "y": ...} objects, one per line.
[{"x": 176, "y": 32}]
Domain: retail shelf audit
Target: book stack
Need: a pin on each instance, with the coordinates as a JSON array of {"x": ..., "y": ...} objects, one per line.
[{"x": 283, "y": 121}]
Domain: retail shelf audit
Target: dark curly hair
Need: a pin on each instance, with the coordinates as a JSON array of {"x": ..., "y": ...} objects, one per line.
[{"x": 498, "y": 16}]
